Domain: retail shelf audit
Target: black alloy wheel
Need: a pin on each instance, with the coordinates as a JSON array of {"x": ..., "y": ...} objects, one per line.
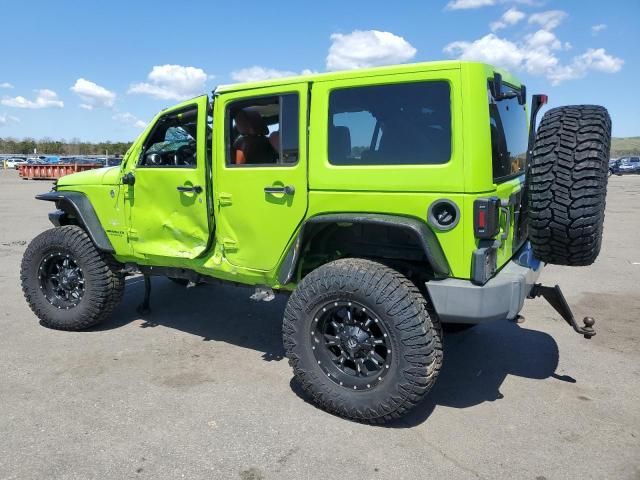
[
  {"x": 351, "y": 345},
  {"x": 61, "y": 280}
]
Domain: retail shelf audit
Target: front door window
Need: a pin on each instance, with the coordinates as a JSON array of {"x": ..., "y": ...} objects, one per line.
[{"x": 173, "y": 141}]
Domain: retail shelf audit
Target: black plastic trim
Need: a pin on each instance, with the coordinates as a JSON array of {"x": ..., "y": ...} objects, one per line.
[
  {"x": 84, "y": 212},
  {"x": 57, "y": 217},
  {"x": 427, "y": 238}
]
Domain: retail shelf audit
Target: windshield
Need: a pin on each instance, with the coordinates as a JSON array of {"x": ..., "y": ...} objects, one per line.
[{"x": 509, "y": 136}]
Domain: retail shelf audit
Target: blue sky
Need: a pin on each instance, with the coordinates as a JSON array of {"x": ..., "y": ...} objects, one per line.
[{"x": 100, "y": 70}]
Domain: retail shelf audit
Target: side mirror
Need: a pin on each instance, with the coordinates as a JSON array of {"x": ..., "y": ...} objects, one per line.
[{"x": 129, "y": 179}]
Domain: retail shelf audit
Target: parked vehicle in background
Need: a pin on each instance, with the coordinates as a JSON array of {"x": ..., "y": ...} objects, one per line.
[
  {"x": 113, "y": 162},
  {"x": 14, "y": 162},
  {"x": 35, "y": 161},
  {"x": 625, "y": 165},
  {"x": 87, "y": 161}
]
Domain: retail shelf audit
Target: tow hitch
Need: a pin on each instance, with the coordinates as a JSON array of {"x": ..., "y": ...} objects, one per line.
[{"x": 556, "y": 299}]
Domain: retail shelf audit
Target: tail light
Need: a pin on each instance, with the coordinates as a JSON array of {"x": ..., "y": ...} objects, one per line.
[{"x": 486, "y": 217}]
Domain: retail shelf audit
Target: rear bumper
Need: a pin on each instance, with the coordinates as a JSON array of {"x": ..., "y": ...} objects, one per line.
[{"x": 502, "y": 297}]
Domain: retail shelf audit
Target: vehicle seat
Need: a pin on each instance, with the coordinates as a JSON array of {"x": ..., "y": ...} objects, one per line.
[
  {"x": 274, "y": 140},
  {"x": 252, "y": 146},
  {"x": 339, "y": 144}
]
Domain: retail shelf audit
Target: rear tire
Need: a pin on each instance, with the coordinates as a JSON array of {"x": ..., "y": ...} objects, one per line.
[
  {"x": 568, "y": 184},
  {"x": 67, "y": 282},
  {"x": 391, "y": 348}
]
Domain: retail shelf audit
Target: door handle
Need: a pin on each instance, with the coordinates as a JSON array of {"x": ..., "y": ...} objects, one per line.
[
  {"x": 287, "y": 190},
  {"x": 193, "y": 189}
]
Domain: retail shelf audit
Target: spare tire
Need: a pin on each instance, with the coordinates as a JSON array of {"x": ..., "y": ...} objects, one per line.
[{"x": 567, "y": 184}]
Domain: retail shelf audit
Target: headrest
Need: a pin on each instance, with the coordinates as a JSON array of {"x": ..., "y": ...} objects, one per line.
[
  {"x": 274, "y": 139},
  {"x": 250, "y": 122},
  {"x": 339, "y": 143}
]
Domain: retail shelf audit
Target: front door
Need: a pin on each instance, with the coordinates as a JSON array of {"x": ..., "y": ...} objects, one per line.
[
  {"x": 261, "y": 173},
  {"x": 168, "y": 188}
]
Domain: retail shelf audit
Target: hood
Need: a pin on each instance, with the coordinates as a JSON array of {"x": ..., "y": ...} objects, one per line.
[{"x": 98, "y": 176}]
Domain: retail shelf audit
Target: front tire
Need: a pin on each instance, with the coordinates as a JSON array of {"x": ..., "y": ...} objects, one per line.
[
  {"x": 67, "y": 282},
  {"x": 361, "y": 341}
]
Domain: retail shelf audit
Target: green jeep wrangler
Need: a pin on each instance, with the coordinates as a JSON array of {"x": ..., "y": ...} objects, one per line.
[{"x": 386, "y": 202}]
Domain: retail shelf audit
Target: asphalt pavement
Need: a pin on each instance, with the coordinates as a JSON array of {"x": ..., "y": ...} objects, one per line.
[{"x": 200, "y": 388}]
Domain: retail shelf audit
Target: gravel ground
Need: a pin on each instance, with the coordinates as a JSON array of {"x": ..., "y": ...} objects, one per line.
[{"x": 200, "y": 389}]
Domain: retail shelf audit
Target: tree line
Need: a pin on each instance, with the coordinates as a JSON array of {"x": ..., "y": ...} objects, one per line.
[{"x": 49, "y": 146}]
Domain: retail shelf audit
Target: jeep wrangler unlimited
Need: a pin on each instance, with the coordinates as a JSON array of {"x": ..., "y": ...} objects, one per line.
[{"x": 386, "y": 201}]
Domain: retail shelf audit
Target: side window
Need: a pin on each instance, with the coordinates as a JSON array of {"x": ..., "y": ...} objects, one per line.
[
  {"x": 509, "y": 136},
  {"x": 172, "y": 142},
  {"x": 263, "y": 131},
  {"x": 399, "y": 124}
]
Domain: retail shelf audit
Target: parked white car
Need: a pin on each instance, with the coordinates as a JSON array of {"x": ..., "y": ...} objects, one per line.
[{"x": 15, "y": 162}]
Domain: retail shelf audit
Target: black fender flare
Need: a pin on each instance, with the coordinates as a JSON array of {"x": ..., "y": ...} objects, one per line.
[
  {"x": 422, "y": 232},
  {"x": 80, "y": 207}
]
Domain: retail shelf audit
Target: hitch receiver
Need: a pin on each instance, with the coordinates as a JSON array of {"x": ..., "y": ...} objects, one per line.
[{"x": 556, "y": 299}]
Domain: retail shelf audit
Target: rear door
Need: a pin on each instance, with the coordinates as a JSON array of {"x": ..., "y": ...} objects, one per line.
[
  {"x": 509, "y": 142},
  {"x": 260, "y": 172},
  {"x": 168, "y": 199}
]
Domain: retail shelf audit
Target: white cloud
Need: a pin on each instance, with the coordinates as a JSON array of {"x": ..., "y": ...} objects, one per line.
[
  {"x": 173, "y": 82},
  {"x": 45, "y": 99},
  {"x": 596, "y": 29},
  {"x": 367, "y": 48},
  {"x": 548, "y": 20},
  {"x": 509, "y": 18},
  {"x": 93, "y": 94},
  {"x": 543, "y": 39},
  {"x": 491, "y": 49},
  {"x": 6, "y": 85},
  {"x": 257, "y": 73},
  {"x": 467, "y": 4},
  {"x": 536, "y": 55},
  {"x": 595, "y": 59},
  {"x": 7, "y": 119},
  {"x": 598, "y": 59},
  {"x": 129, "y": 119}
]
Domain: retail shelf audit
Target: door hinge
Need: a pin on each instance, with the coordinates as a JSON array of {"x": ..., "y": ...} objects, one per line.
[
  {"x": 132, "y": 233},
  {"x": 229, "y": 244},
  {"x": 224, "y": 199}
]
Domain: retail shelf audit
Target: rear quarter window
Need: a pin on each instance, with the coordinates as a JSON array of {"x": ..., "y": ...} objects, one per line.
[
  {"x": 509, "y": 136},
  {"x": 399, "y": 124}
]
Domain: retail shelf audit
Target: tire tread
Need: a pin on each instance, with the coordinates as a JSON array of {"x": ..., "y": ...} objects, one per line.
[{"x": 567, "y": 182}]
